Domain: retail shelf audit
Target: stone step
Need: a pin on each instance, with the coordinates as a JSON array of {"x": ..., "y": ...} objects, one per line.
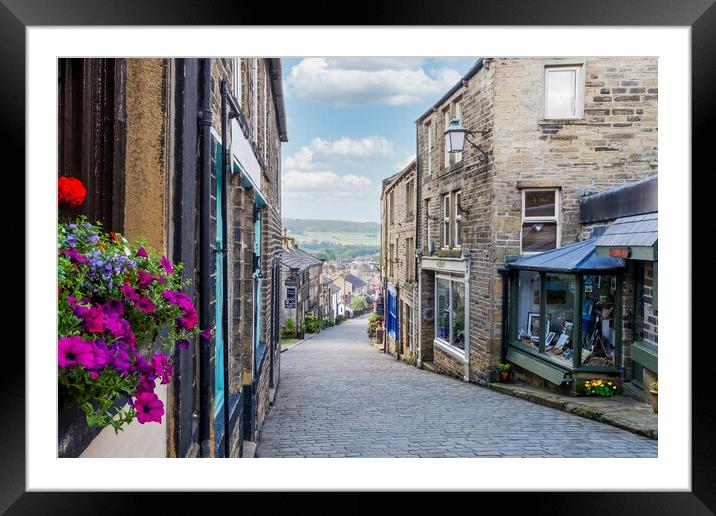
[
  {"x": 428, "y": 365},
  {"x": 249, "y": 450}
]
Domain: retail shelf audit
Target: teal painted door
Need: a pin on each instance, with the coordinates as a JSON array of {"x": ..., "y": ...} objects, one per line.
[{"x": 219, "y": 383}]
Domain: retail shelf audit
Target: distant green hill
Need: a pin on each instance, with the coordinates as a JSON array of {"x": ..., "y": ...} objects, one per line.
[
  {"x": 335, "y": 239},
  {"x": 300, "y": 226}
]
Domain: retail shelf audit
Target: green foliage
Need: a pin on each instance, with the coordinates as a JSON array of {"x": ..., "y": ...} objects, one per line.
[
  {"x": 375, "y": 321},
  {"x": 300, "y": 226},
  {"x": 504, "y": 367},
  {"x": 340, "y": 319},
  {"x": 358, "y": 304},
  {"x": 289, "y": 328},
  {"x": 599, "y": 387},
  {"x": 312, "y": 324},
  {"x": 330, "y": 251}
]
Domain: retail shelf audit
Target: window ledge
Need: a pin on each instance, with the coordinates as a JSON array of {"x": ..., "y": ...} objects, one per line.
[
  {"x": 562, "y": 121},
  {"x": 450, "y": 350}
]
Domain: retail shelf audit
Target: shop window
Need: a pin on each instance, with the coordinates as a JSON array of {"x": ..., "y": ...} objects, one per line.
[
  {"x": 558, "y": 328},
  {"x": 540, "y": 221},
  {"x": 598, "y": 330},
  {"x": 563, "y": 92},
  {"x": 528, "y": 314},
  {"x": 450, "y": 312}
]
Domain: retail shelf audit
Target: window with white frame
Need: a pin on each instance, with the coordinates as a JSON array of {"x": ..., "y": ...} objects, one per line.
[
  {"x": 236, "y": 80},
  {"x": 540, "y": 220},
  {"x": 458, "y": 219},
  {"x": 450, "y": 311},
  {"x": 446, "y": 220},
  {"x": 563, "y": 92}
]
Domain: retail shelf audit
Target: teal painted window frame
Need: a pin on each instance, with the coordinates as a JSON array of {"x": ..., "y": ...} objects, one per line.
[{"x": 219, "y": 380}]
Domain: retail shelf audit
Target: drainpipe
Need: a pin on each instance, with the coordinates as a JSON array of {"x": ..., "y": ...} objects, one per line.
[
  {"x": 226, "y": 168},
  {"x": 418, "y": 206},
  {"x": 205, "y": 402},
  {"x": 505, "y": 312}
]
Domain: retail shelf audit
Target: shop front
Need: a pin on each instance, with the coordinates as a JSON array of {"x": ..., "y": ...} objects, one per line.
[{"x": 565, "y": 314}]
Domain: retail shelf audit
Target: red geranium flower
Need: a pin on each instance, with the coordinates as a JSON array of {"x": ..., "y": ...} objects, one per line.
[{"x": 70, "y": 192}]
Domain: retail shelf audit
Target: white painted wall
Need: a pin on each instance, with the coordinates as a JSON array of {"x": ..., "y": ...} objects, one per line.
[{"x": 147, "y": 440}]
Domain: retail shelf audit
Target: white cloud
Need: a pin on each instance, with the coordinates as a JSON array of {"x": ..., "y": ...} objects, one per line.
[
  {"x": 326, "y": 186},
  {"x": 321, "y": 153},
  {"x": 402, "y": 164},
  {"x": 354, "y": 81}
]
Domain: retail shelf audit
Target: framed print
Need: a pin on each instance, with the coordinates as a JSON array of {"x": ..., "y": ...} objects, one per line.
[{"x": 182, "y": 164}]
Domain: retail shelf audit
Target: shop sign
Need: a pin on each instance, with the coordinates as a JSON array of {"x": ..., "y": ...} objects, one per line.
[
  {"x": 619, "y": 252},
  {"x": 290, "y": 301}
]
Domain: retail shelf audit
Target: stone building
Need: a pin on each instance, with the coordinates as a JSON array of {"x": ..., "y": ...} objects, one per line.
[
  {"x": 398, "y": 243},
  {"x": 186, "y": 154},
  {"x": 543, "y": 133},
  {"x": 301, "y": 285}
]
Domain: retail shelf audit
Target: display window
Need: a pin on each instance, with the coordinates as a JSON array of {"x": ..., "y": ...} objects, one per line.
[
  {"x": 450, "y": 312},
  {"x": 556, "y": 315},
  {"x": 597, "y": 320}
]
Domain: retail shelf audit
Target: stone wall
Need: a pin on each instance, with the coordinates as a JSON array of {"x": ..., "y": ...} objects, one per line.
[
  {"x": 401, "y": 234},
  {"x": 615, "y": 142}
]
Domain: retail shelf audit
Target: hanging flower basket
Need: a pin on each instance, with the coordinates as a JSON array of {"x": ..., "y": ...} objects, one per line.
[{"x": 121, "y": 312}]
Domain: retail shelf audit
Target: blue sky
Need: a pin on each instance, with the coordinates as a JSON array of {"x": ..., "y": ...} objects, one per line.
[{"x": 351, "y": 123}]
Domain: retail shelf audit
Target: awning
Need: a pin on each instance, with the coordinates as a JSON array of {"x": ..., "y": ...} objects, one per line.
[
  {"x": 634, "y": 237},
  {"x": 580, "y": 256}
]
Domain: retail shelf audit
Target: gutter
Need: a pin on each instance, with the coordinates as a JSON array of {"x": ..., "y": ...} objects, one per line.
[
  {"x": 462, "y": 82},
  {"x": 277, "y": 88}
]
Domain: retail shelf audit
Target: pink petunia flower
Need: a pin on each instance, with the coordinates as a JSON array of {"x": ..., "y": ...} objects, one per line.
[
  {"x": 145, "y": 279},
  {"x": 142, "y": 252},
  {"x": 129, "y": 292},
  {"x": 149, "y": 407},
  {"x": 167, "y": 265},
  {"x": 72, "y": 351},
  {"x": 144, "y": 304}
]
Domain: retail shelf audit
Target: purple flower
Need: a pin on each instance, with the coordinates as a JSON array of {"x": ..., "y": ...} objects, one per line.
[
  {"x": 145, "y": 279},
  {"x": 167, "y": 265},
  {"x": 113, "y": 324},
  {"x": 74, "y": 255},
  {"x": 149, "y": 407},
  {"x": 129, "y": 292},
  {"x": 183, "y": 344},
  {"x": 189, "y": 321},
  {"x": 94, "y": 320},
  {"x": 120, "y": 360},
  {"x": 144, "y": 304},
  {"x": 71, "y": 240},
  {"x": 72, "y": 226},
  {"x": 73, "y": 351},
  {"x": 146, "y": 384},
  {"x": 102, "y": 355},
  {"x": 93, "y": 239},
  {"x": 114, "y": 306},
  {"x": 142, "y": 253},
  {"x": 94, "y": 375},
  {"x": 206, "y": 333},
  {"x": 162, "y": 367}
]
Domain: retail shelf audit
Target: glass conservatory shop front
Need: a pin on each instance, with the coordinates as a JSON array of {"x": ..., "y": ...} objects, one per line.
[{"x": 565, "y": 313}]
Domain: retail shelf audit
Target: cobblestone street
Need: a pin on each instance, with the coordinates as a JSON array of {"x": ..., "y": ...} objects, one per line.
[{"x": 339, "y": 397}]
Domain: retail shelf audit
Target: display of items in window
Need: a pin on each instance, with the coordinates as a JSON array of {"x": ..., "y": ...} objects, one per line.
[{"x": 598, "y": 335}]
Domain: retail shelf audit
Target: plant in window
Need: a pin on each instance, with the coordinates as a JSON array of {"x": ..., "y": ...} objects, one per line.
[
  {"x": 121, "y": 312},
  {"x": 599, "y": 387}
]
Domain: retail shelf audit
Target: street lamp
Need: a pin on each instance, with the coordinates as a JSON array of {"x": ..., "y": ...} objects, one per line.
[{"x": 455, "y": 136}]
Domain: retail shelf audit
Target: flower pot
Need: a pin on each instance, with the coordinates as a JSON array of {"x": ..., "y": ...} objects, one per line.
[
  {"x": 654, "y": 401},
  {"x": 504, "y": 376}
]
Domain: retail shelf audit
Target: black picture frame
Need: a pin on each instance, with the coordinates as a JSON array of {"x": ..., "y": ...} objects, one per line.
[{"x": 699, "y": 15}]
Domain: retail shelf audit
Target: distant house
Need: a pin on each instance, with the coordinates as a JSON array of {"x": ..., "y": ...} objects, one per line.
[{"x": 301, "y": 290}]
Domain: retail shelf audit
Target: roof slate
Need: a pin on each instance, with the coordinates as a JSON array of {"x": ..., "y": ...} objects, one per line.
[
  {"x": 298, "y": 259},
  {"x": 570, "y": 258},
  {"x": 634, "y": 231}
]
